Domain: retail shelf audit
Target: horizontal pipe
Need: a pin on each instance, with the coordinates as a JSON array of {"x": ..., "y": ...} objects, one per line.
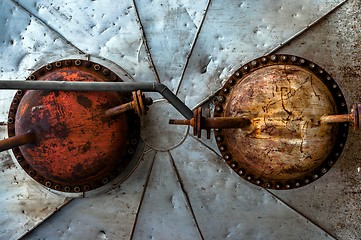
[
  {"x": 100, "y": 87},
  {"x": 17, "y": 141}
]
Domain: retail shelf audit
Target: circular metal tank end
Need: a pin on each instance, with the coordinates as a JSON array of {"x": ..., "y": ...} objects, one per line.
[
  {"x": 286, "y": 145},
  {"x": 77, "y": 147}
]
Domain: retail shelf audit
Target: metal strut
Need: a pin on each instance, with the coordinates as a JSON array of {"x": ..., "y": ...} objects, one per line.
[{"x": 100, "y": 87}]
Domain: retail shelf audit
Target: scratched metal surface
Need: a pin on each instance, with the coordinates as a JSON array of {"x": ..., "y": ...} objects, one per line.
[{"x": 182, "y": 189}]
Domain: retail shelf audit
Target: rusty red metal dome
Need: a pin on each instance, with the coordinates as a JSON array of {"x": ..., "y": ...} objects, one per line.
[
  {"x": 75, "y": 147},
  {"x": 286, "y": 145}
]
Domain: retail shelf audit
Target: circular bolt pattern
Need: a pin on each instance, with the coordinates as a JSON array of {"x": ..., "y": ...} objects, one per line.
[
  {"x": 325, "y": 81},
  {"x": 88, "y": 69}
]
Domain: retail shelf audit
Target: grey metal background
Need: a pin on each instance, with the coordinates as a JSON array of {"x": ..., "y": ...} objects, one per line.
[{"x": 182, "y": 188}]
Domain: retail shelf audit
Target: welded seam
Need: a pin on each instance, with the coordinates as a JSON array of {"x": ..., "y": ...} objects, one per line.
[
  {"x": 305, "y": 29},
  {"x": 275, "y": 196},
  {"x": 185, "y": 193},
  {"x": 142, "y": 198},
  {"x": 29, "y": 231},
  {"x": 300, "y": 213},
  {"x": 145, "y": 42},
  {"x": 192, "y": 48},
  {"x": 278, "y": 47},
  {"x": 48, "y": 26}
]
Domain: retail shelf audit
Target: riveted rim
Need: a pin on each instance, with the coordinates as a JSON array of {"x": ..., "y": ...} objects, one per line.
[
  {"x": 131, "y": 142},
  {"x": 340, "y": 138}
]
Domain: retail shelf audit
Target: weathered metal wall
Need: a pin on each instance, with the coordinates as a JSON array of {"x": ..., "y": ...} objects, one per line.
[{"x": 182, "y": 188}]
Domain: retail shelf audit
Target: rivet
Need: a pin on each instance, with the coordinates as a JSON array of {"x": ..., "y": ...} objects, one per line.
[
  {"x": 57, "y": 187},
  {"x": 218, "y": 109},
  {"x": 264, "y": 59},
  {"x": 339, "y": 94},
  {"x": 320, "y": 71},
  {"x": 233, "y": 165},
  {"x": 240, "y": 171},
  {"x": 231, "y": 81},
  {"x": 328, "y": 78},
  {"x": 249, "y": 177},
  {"x": 19, "y": 92},
  {"x": 220, "y": 99},
  {"x": 297, "y": 184},
  {"x": 219, "y": 138},
  {"x": 217, "y": 129},
  {"x": 222, "y": 148},
  {"x": 11, "y": 110},
  {"x": 130, "y": 151},
  {"x": 258, "y": 182},
  {"x": 307, "y": 181},
  {"x": 10, "y": 120},
  {"x": 274, "y": 58},
  {"x": 86, "y": 188},
  {"x": 337, "y": 154},
  {"x": 331, "y": 163},
  {"x": 58, "y": 64},
  {"x": 77, "y": 62},
  {"x": 19, "y": 158},
  {"x": 288, "y": 186},
  {"x": 238, "y": 74},
  {"x": 324, "y": 170},
  {"x": 227, "y": 157},
  {"x": 343, "y": 104},
  {"x": 246, "y": 68},
  {"x": 134, "y": 141},
  {"x": 67, "y": 62},
  {"x": 31, "y": 173},
  {"x": 76, "y": 189},
  {"x": 105, "y": 180},
  {"x": 48, "y": 183},
  {"x": 225, "y": 90},
  {"x": 278, "y": 186},
  {"x": 341, "y": 145},
  {"x": 96, "y": 67},
  {"x": 254, "y": 63},
  {"x": 268, "y": 185},
  {"x": 294, "y": 59},
  {"x": 106, "y": 72},
  {"x": 312, "y": 66},
  {"x": 315, "y": 176},
  {"x": 302, "y": 61},
  {"x": 113, "y": 77},
  {"x": 334, "y": 86},
  {"x": 48, "y": 67},
  {"x": 66, "y": 189},
  {"x": 15, "y": 100},
  {"x": 283, "y": 58},
  {"x": 32, "y": 77}
]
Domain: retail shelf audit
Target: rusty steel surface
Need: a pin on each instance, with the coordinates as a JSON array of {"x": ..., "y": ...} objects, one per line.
[
  {"x": 77, "y": 147},
  {"x": 286, "y": 145}
]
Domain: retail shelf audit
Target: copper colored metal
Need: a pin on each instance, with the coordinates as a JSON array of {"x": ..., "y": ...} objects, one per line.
[
  {"x": 17, "y": 141},
  {"x": 354, "y": 117},
  {"x": 198, "y": 122},
  {"x": 77, "y": 148},
  {"x": 139, "y": 105},
  {"x": 287, "y": 143}
]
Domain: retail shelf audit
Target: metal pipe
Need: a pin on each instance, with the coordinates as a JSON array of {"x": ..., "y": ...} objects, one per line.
[
  {"x": 17, "y": 141},
  {"x": 100, "y": 87}
]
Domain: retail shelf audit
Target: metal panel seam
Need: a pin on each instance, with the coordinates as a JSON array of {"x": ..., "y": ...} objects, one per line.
[
  {"x": 49, "y": 27},
  {"x": 143, "y": 194},
  {"x": 193, "y": 45},
  {"x": 185, "y": 193},
  {"x": 144, "y": 38}
]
